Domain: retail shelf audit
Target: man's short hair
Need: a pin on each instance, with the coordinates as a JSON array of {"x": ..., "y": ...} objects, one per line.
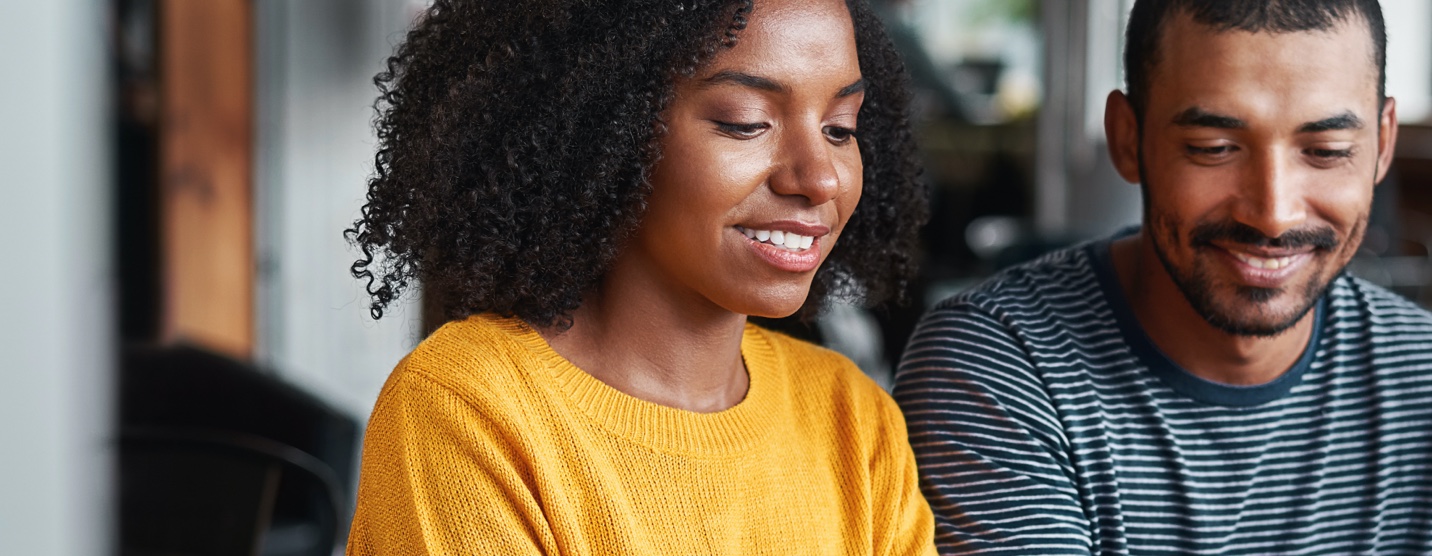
[{"x": 1147, "y": 19}]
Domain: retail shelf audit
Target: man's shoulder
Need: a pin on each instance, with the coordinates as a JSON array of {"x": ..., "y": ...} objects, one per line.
[
  {"x": 1023, "y": 317},
  {"x": 1051, "y": 282},
  {"x": 1355, "y": 300}
]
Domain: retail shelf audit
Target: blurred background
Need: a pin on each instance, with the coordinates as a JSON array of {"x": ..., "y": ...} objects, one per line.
[{"x": 188, "y": 366}]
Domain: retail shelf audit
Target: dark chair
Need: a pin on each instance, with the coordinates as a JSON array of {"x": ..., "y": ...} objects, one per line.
[{"x": 220, "y": 458}]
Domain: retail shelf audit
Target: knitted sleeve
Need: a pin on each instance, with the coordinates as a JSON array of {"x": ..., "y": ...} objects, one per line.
[
  {"x": 438, "y": 477},
  {"x": 909, "y": 528}
]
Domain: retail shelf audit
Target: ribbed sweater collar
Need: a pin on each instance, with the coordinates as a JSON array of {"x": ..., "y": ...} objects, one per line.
[{"x": 657, "y": 426}]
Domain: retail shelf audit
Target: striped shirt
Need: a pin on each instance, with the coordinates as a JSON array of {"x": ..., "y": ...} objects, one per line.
[{"x": 1046, "y": 422}]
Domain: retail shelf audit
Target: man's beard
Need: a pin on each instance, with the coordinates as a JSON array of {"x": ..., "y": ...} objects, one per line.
[
  {"x": 1241, "y": 316},
  {"x": 1247, "y": 314}
]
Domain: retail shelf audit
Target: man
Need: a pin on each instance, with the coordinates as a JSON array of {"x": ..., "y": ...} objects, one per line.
[{"x": 1211, "y": 382}]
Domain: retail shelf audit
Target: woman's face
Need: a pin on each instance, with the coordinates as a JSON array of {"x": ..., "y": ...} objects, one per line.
[{"x": 760, "y": 169}]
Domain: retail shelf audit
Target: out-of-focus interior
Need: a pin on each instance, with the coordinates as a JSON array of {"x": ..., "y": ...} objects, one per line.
[{"x": 189, "y": 362}]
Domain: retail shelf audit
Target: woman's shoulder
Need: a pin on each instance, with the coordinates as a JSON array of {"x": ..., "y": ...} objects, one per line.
[
  {"x": 817, "y": 374},
  {"x": 831, "y": 399},
  {"x": 482, "y": 358}
]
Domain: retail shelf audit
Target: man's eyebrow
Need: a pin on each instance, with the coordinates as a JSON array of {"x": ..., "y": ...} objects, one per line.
[
  {"x": 745, "y": 80},
  {"x": 1345, "y": 120},
  {"x": 1198, "y": 117}
]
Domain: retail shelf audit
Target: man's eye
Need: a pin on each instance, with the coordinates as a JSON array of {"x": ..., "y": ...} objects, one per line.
[
  {"x": 741, "y": 130},
  {"x": 1209, "y": 151},
  {"x": 839, "y": 135},
  {"x": 1330, "y": 154}
]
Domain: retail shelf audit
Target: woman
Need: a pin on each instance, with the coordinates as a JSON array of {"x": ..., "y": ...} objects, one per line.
[{"x": 605, "y": 190}]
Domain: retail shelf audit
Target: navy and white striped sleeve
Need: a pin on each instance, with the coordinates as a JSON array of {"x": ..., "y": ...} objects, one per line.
[{"x": 993, "y": 456}]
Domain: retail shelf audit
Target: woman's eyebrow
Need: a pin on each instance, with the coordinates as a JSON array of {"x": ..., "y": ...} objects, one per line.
[
  {"x": 857, "y": 87},
  {"x": 767, "y": 84},
  {"x": 745, "y": 80}
]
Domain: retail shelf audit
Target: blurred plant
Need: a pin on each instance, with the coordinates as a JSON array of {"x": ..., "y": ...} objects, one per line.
[{"x": 1011, "y": 11}]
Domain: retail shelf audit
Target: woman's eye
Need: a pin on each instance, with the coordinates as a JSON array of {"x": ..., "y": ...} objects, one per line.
[
  {"x": 740, "y": 130},
  {"x": 839, "y": 135}
]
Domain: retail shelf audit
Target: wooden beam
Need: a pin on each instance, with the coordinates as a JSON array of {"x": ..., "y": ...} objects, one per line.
[{"x": 206, "y": 173}]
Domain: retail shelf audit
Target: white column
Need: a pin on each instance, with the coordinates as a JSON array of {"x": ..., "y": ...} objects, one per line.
[
  {"x": 316, "y": 62},
  {"x": 56, "y": 323}
]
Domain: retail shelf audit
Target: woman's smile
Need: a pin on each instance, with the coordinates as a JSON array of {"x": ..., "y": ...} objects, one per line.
[
  {"x": 791, "y": 241},
  {"x": 760, "y": 167},
  {"x": 788, "y": 246}
]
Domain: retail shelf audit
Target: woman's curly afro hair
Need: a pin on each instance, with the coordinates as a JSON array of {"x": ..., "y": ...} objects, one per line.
[{"x": 516, "y": 139}]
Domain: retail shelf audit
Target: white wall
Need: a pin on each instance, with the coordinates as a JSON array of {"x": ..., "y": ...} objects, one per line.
[
  {"x": 316, "y": 63},
  {"x": 56, "y": 345},
  {"x": 1409, "y": 57}
]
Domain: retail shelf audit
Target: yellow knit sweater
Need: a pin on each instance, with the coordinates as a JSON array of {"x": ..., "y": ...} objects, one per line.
[{"x": 485, "y": 441}]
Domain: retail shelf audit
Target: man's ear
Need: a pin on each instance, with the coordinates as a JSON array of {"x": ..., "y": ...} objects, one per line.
[
  {"x": 1386, "y": 138},
  {"x": 1121, "y": 129}
]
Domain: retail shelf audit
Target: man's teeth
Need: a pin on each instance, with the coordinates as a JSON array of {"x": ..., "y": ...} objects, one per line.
[
  {"x": 793, "y": 242},
  {"x": 1265, "y": 264}
]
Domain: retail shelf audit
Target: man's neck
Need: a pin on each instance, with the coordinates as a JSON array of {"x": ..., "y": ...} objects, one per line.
[{"x": 1182, "y": 334}]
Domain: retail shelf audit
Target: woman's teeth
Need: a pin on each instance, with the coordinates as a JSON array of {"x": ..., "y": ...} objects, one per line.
[
  {"x": 1265, "y": 264},
  {"x": 790, "y": 241}
]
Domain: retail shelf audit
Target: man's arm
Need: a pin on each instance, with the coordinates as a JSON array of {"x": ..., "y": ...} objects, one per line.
[{"x": 992, "y": 452}]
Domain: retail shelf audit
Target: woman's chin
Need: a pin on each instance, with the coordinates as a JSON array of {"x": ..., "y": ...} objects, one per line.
[
  {"x": 774, "y": 299},
  {"x": 780, "y": 310}
]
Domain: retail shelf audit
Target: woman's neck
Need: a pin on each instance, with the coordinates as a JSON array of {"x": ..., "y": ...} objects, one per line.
[{"x": 656, "y": 346}]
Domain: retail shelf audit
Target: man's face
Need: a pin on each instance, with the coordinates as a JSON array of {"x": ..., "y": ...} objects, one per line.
[{"x": 1258, "y": 156}]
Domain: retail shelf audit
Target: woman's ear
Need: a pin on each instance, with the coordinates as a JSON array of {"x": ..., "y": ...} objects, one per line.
[{"x": 1121, "y": 129}]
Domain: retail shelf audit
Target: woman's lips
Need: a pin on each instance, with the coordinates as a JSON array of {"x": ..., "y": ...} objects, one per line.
[{"x": 789, "y": 251}]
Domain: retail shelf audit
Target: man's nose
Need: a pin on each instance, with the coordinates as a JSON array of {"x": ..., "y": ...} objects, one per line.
[{"x": 1274, "y": 195}]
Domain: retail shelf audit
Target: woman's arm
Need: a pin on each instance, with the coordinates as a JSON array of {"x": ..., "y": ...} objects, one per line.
[
  {"x": 439, "y": 477},
  {"x": 909, "y": 528}
]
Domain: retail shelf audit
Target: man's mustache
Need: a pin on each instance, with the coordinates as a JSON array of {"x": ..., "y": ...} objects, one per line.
[{"x": 1234, "y": 232}]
